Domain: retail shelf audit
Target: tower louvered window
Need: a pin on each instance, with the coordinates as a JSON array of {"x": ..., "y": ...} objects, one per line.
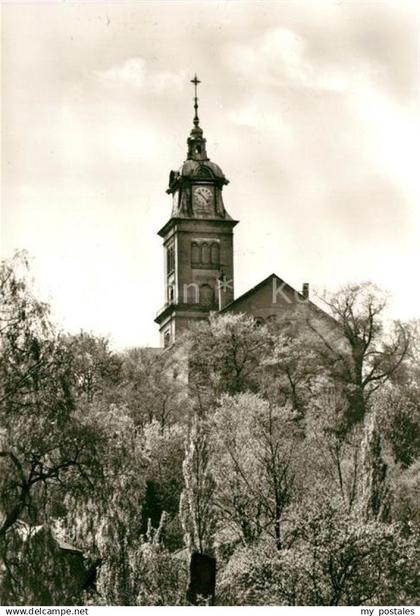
[
  {"x": 215, "y": 253},
  {"x": 195, "y": 253},
  {"x": 205, "y": 254}
]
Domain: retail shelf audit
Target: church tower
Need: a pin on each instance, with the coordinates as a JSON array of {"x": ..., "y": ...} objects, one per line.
[{"x": 197, "y": 240}]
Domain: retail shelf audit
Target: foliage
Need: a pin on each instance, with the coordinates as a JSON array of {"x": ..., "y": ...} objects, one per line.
[
  {"x": 255, "y": 450},
  {"x": 197, "y": 503},
  {"x": 164, "y": 453},
  {"x": 47, "y": 447},
  {"x": 225, "y": 356},
  {"x": 153, "y": 386},
  {"x": 107, "y": 521},
  {"x": 290, "y": 455},
  {"x": 375, "y": 495},
  {"x": 406, "y": 492},
  {"x": 290, "y": 370},
  {"x": 95, "y": 369},
  {"x": 336, "y": 560},
  {"x": 330, "y": 464},
  {"x": 163, "y": 578},
  {"x": 400, "y": 415},
  {"x": 144, "y": 573}
]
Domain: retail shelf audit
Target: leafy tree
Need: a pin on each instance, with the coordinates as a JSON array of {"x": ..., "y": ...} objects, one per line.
[
  {"x": 400, "y": 404},
  {"x": 290, "y": 370},
  {"x": 330, "y": 464},
  {"x": 336, "y": 560},
  {"x": 107, "y": 521},
  {"x": 48, "y": 449},
  {"x": 197, "y": 499},
  {"x": 255, "y": 449},
  {"x": 405, "y": 504},
  {"x": 164, "y": 481},
  {"x": 164, "y": 575},
  {"x": 95, "y": 369},
  {"x": 374, "y": 493},
  {"x": 225, "y": 356},
  {"x": 45, "y": 442},
  {"x": 154, "y": 386},
  {"x": 144, "y": 573},
  {"x": 286, "y": 452},
  {"x": 401, "y": 423}
]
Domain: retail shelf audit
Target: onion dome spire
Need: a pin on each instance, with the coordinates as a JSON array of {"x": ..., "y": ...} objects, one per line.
[
  {"x": 197, "y": 167},
  {"x": 196, "y": 142}
]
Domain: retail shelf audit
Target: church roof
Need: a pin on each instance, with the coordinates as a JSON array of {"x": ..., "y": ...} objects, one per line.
[
  {"x": 257, "y": 287},
  {"x": 286, "y": 290}
]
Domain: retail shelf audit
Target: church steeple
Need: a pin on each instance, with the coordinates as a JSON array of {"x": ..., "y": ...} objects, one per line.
[
  {"x": 198, "y": 239},
  {"x": 197, "y": 186},
  {"x": 196, "y": 141}
]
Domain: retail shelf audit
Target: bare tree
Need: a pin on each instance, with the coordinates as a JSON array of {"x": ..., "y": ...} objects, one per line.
[{"x": 368, "y": 354}]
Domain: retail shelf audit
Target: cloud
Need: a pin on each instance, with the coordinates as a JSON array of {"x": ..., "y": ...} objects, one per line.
[
  {"x": 131, "y": 73},
  {"x": 280, "y": 57},
  {"x": 309, "y": 112},
  {"x": 138, "y": 74},
  {"x": 337, "y": 46},
  {"x": 380, "y": 205},
  {"x": 275, "y": 55},
  {"x": 258, "y": 114}
]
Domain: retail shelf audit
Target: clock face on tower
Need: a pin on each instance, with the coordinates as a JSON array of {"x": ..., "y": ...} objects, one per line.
[{"x": 203, "y": 200}]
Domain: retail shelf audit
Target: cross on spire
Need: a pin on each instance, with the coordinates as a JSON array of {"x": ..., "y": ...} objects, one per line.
[{"x": 195, "y": 81}]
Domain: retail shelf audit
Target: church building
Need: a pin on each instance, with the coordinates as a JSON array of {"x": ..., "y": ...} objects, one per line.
[{"x": 198, "y": 245}]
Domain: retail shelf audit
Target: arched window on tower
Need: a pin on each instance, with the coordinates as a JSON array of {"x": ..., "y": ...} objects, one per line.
[
  {"x": 195, "y": 253},
  {"x": 166, "y": 338},
  {"x": 190, "y": 293},
  {"x": 170, "y": 259},
  {"x": 215, "y": 253},
  {"x": 205, "y": 253},
  {"x": 171, "y": 294},
  {"x": 206, "y": 295}
]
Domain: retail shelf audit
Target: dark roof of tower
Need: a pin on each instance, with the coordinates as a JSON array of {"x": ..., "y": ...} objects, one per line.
[{"x": 194, "y": 168}]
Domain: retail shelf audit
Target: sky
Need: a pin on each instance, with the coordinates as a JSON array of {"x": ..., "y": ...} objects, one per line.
[{"x": 310, "y": 108}]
